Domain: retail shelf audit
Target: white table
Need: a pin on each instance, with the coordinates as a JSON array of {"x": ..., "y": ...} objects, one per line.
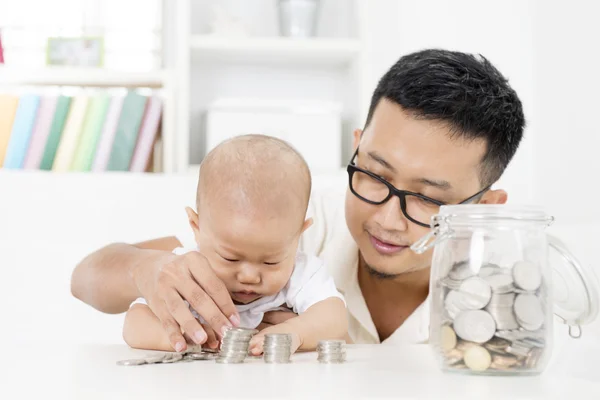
[{"x": 371, "y": 371}]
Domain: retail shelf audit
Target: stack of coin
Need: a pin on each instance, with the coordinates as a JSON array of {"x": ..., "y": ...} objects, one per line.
[
  {"x": 493, "y": 317},
  {"x": 277, "y": 348},
  {"x": 331, "y": 351},
  {"x": 234, "y": 346}
]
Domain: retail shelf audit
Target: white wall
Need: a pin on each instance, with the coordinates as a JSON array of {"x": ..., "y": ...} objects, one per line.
[{"x": 548, "y": 50}]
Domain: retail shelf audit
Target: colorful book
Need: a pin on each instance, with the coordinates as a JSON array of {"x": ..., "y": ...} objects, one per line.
[
  {"x": 72, "y": 133},
  {"x": 147, "y": 136},
  {"x": 107, "y": 137},
  {"x": 21, "y": 131},
  {"x": 8, "y": 109},
  {"x": 63, "y": 105},
  {"x": 127, "y": 132},
  {"x": 40, "y": 133},
  {"x": 90, "y": 135}
]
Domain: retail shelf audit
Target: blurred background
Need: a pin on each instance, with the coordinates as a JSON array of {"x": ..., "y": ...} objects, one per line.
[{"x": 107, "y": 108}]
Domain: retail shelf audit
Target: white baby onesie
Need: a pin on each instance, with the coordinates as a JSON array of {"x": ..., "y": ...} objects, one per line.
[{"x": 309, "y": 284}]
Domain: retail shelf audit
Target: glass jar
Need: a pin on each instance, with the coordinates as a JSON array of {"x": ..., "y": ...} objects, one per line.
[{"x": 491, "y": 289}]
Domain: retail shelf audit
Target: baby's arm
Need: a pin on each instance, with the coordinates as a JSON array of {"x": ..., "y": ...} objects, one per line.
[
  {"x": 326, "y": 319},
  {"x": 142, "y": 330}
]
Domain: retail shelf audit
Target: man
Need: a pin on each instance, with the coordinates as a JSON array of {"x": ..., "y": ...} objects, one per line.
[{"x": 441, "y": 129}]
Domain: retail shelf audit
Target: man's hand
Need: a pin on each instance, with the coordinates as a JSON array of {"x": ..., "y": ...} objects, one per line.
[{"x": 166, "y": 281}]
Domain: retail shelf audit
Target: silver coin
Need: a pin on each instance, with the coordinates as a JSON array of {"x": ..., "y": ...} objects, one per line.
[
  {"x": 476, "y": 293},
  {"x": 172, "y": 358},
  {"x": 504, "y": 317},
  {"x": 450, "y": 283},
  {"x": 527, "y": 275},
  {"x": 461, "y": 271},
  {"x": 529, "y": 311},
  {"x": 518, "y": 334},
  {"x": 453, "y": 303},
  {"x": 132, "y": 362},
  {"x": 518, "y": 350},
  {"x": 199, "y": 356},
  {"x": 502, "y": 300},
  {"x": 504, "y": 362},
  {"x": 533, "y": 358},
  {"x": 500, "y": 283},
  {"x": 497, "y": 345},
  {"x": 476, "y": 326},
  {"x": 331, "y": 351},
  {"x": 489, "y": 269}
]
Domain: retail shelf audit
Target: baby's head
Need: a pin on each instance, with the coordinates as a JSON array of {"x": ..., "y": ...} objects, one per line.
[{"x": 252, "y": 197}]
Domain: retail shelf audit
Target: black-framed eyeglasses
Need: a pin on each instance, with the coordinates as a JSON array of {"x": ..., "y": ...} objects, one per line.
[{"x": 373, "y": 189}]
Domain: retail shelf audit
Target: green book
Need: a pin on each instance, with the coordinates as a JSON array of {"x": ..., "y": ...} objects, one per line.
[
  {"x": 90, "y": 135},
  {"x": 63, "y": 103},
  {"x": 128, "y": 128}
]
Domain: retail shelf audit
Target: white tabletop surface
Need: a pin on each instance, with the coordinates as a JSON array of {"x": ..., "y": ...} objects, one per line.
[{"x": 371, "y": 371}]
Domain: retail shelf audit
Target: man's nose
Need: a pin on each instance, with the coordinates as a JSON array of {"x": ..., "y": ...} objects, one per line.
[
  {"x": 390, "y": 217},
  {"x": 248, "y": 274}
]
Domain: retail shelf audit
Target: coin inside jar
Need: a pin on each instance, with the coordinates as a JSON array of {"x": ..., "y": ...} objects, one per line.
[
  {"x": 476, "y": 293},
  {"x": 500, "y": 283},
  {"x": 529, "y": 312},
  {"x": 527, "y": 275},
  {"x": 477, "y": 358},
  {"x": 503, "y": 362},
  {"x": 448, "y": 338},
  {"x": 461, "y": 271},
  {"x": 475, "y": 326}
]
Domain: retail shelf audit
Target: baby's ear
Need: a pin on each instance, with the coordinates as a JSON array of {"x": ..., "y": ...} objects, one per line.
[
  {"x": 307, "y": 224},
  {"x": 192, "y": 218}
]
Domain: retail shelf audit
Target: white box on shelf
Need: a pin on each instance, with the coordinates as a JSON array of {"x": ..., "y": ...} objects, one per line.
[{"x": 314, "y": 128}]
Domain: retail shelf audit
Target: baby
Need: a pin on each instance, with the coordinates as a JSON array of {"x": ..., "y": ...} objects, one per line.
[{"x": 252, "y": 198}]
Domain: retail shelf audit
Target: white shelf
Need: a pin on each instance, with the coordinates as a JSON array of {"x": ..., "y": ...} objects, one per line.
[
  {"x": 276, "y": 50},
  {"x": 74, "y": 76}
]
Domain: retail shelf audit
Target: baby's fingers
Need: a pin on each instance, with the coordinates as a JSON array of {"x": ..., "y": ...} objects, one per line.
[{"x": 256, "y": 345}]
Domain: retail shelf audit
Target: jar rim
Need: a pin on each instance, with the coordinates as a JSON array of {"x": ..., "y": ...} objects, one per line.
[{"x": 508, "y": 212}]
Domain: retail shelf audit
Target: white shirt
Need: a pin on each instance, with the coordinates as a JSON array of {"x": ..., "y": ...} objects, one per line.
[
  {"x": 329, "y": 239},
  {"x": 309, "y": 284}
]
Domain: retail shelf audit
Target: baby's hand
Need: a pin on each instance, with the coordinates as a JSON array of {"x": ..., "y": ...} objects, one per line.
[{"x": 257, "y": 342}]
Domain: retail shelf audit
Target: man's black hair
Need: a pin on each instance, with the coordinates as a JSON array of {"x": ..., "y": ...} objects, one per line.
[{"x": 464, "y": 91}]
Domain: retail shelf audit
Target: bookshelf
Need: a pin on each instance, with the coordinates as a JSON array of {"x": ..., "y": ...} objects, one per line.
[
  {"x": 73, "y": 80},
  {"x": 199, "y": 68},
  {"x": 90, "y": 77},
  {"x": 329, "y": 67}
]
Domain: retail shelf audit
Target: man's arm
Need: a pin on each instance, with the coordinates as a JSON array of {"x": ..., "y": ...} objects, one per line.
[
  {"x": 111, "y": 278},
  {"x": 104, "y": 279},
  {"x": 324, "y": 320}
]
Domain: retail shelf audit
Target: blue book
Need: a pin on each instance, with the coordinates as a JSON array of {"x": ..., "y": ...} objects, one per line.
[{"x": 21, "y": 131}]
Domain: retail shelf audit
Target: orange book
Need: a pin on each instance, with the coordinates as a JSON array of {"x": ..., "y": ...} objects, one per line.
[{"x": 8, "y": 110}]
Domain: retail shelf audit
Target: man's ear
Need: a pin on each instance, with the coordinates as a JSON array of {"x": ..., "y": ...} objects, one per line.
[
  {"x": 497, "y": 196},
  {"x": 356, "y": 140},
  {"x": 192, "y": 219}
]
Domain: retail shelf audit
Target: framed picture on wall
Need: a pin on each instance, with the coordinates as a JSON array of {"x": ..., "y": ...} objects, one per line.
[{"x": 75, "y": 51}]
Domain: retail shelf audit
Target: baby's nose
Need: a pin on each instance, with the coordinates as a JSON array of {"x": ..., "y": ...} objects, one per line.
[{"x": 248, "y": 274}]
